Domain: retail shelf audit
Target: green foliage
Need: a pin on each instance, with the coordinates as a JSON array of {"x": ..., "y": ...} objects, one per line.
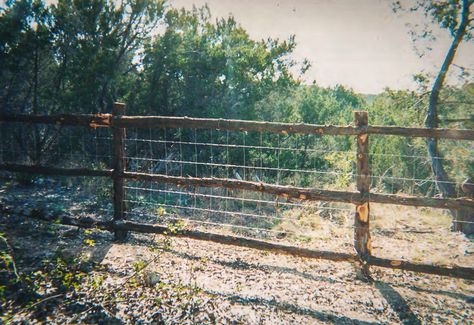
[
  {"x": 311, "y": 104},
  {"x": 81, "y": 56},
  {"x": 63, "y": 275},
  {"x": 395, "y": 157},
  {"x": 139, "y": 265},
  {"x": 97, "y": 281},
  {"x": 197, "y": 68},
  {"x": 103, "y": 195},
  {"x": 8, "y": 273},
  {"x": 176, "y": 227},
  {"x": 340, "y": 163},
  {"x": 403, "y": 108}
]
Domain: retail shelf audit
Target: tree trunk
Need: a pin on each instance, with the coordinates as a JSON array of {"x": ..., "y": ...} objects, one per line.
[{"x": 442, "y": 179}]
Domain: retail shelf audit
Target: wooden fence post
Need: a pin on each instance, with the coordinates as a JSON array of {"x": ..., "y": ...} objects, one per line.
[
  {"x": 118, "y": 170},
  {"x": 362, "y": 241}
]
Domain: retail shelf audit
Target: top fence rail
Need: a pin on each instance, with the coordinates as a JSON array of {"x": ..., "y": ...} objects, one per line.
[{"x": 106, "y": 120}]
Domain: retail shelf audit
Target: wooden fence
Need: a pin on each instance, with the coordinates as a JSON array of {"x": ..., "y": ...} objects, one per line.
[{"x": 360, "y": 198}]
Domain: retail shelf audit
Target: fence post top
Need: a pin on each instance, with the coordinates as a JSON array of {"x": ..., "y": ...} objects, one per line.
[
  {"x": 358, "y": 113},
  {"x": 361, "y": 118},
  {"x": 118, "y": 108}
]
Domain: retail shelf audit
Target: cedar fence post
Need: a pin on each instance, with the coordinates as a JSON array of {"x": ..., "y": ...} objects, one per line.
[
  {"x": 118, "y": 170},
  {"x": 362, "y": 241}
]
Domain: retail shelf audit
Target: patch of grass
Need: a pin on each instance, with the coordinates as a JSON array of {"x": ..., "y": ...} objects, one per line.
[{"x": 314, "y": 223}]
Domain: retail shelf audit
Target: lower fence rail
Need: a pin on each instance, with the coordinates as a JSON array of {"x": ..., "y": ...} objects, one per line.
[
  {"x": 123, "y": 225},
  {"x": 284, "y": 191}
]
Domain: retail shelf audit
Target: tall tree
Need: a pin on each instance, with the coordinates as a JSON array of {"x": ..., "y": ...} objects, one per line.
[
  {"x": 69, "y": 56},
  {"x": 456, "y": 17},
  {"x": 200, "y": 68},
  {"x": 97, "y": 45}
]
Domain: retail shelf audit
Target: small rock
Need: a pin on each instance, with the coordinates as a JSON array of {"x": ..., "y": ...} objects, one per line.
[{"x": 151, "y": 278}]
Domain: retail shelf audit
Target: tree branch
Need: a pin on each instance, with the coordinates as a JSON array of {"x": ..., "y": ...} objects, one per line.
[
  {"x": 442, "y": 179},
  {"x": 431, "y": 120}
]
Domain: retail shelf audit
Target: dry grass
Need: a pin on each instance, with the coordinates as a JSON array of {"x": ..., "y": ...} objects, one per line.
[{"x": 414, "y": 234}]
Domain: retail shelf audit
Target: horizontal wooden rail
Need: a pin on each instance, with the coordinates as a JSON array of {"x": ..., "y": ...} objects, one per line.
[
  {"x": 303, "y": 193},
  {"x": 90, "y": 120},
  {"x": 104, "y": 120},
  {"x": 46, "y": 170},
  {"x": 87, "y": 222},
  {"x": 459, "y": 134},
  {"x": 236, "y": 241},
  {"x": 230, "y": 125},
  {"x": 278, "y": 190},
  {"x": 453, "y": 271},
  {"x": 431, "y": 202},
  {"x": 285, "y": 128},
  {"x": 291, "y": 192}
]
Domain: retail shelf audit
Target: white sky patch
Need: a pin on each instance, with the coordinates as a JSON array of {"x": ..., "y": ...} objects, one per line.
[{"x": 361, "y": 44}]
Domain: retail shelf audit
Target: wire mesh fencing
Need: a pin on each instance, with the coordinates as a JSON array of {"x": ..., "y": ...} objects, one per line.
[
  {"x": 278, "y": 181},
  {"x": 402, "y": 166},
  {"x": 406, "y": 168},
  {"x": 62, "y": 147},
  {"x": 302, "y": 161},
  {"x": 53, "y": 145}
]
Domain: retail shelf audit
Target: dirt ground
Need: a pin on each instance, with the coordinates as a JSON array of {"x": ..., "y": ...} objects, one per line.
[{"x": 160, "y": 279}]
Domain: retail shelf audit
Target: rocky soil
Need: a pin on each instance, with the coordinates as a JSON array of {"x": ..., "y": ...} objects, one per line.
[{"x": 160, "y": 279}]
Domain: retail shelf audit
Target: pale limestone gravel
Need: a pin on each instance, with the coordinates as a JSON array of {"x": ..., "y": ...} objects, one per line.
[
  {"x": 249, "y": 286},
  {"x": 284, "y": 287}
]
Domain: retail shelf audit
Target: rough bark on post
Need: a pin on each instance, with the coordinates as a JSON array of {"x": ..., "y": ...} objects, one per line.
[
  {"x": 362, "y": 241},
  {"x": 118, "y": 170}
]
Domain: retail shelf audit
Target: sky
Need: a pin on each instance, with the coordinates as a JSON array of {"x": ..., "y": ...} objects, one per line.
[{"x": 361, "y": 44}]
